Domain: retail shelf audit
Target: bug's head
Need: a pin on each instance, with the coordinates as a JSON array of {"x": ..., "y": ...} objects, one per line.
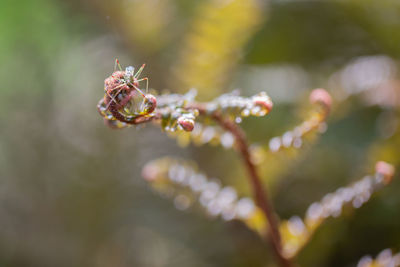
[{"x": 129, "y": 74}]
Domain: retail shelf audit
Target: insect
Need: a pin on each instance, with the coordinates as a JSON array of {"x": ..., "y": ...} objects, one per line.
[{"x": 121, "y": 86}]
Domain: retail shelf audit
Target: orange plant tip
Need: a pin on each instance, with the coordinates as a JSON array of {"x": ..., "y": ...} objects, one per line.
[
  {"x": 321, "y": 96},
  {"x": 264, "y": 102},
  {"x": 386, "y": 169},
  {"x": 150, "y": 103}
]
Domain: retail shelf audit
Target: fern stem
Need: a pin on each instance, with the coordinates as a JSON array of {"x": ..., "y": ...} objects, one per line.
[{"x": 260, "y": 194}]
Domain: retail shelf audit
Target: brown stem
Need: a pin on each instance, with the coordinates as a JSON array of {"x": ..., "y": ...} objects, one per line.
[{"x": 260, "y": 194}]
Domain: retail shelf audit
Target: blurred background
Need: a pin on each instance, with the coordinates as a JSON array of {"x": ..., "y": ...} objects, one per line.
[{"x": 71, "y": 192}]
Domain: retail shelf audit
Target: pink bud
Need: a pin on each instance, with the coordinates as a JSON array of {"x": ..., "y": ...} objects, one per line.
[
  {"x": 386, "y": 169},
  {"x": 321, "y": 96},
  {"x": 150, "y": 172},
  {"x": 264, "y": 102},
  {"x": 186, "y": 123}
]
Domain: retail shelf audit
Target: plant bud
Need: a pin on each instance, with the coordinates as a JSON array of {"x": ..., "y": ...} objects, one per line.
[
  {"x": 264, "y": 102},
  {"x": 321, "y": 96},
  {"x": 186, "y": 123},
  {"x": 150, "y": 172},
  {"x": 150, "y": 103},
  {"x": 386, "y": 169}
]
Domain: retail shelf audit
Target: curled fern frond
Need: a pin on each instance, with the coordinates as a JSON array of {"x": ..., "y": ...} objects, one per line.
[{"x": 124, "y": 104}]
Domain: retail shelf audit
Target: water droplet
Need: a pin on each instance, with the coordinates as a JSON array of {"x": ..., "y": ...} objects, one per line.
[
  {"x": 287, "y": 139},
  {"x": 177, "y": 173},
  {"x": 226, "y": 196},
  {"x": 208, "y": 134},
  {"x": 255, "y": 111},
  {"x": 245, "y": 208},
  {"x": 228, "y": 212},
  {"x": 197, "y": 182},
  {"x": 385, "y": 257},
  {"x": 227, "y": 140},
  {"x": 314, "y": 212},
  {"x": 297, "y": 142},
  {"x": 365, "y": 261},
  {"x": 274, "y": 144},
  {"x": 238, "y": 120},
  {"x": 396, "y": 259},
  {"x": 296, "y": 226},
  {"x": 245, "y": 112},
  {"x": 209, "y": 191},
  {"x": 357, "y": 202},
  {"x": 214, "y": 208}
]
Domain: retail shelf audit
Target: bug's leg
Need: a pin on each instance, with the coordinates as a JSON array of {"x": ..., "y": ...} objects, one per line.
[
  {"x": 143, "y": 95},
  {"x": 113, "y": 98},
  {"x": 147, "y": 83},
  {"x": 108, "y": 92},
  {"x": 139, "y": 71},
  {"x": 140, "y": 91}
]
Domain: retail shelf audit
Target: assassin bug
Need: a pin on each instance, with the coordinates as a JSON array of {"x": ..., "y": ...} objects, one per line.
[{"x": 120, "y": 88}]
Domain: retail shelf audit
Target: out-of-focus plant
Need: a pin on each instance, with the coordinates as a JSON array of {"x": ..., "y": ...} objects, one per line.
[
  {"x": 215, "y": 43},
  {"x": 296, "y": 232},
  {"x": 138, "y": 30},
  {"x": 126, "y": 103},
  {"x": 384, "y": 259}
]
